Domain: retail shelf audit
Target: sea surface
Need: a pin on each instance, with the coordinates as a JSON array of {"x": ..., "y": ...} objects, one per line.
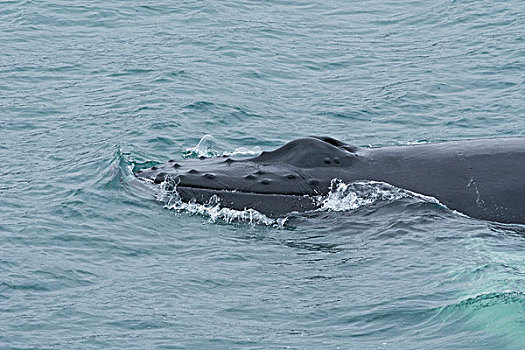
[{"x": 91, "y": 258}]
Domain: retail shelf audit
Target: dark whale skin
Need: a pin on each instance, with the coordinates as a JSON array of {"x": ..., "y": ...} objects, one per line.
[{"x": 484, "y": 179}]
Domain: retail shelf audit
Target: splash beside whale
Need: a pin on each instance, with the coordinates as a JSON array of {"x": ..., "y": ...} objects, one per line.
[{"x": 484, "y": 179}]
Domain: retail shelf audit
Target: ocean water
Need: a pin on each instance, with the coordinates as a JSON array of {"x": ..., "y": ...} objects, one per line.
[{"x": 91, "y": 258}]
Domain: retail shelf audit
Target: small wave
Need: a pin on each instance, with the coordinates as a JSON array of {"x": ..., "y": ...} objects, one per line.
[
  {"x": 499, "y": 314},
  {"x": 206, "y": 147},
  {"x": 244, "y": 151},
  {"x": 116, "y": 169},
  {"x": 487, "y": 300},
  {"x": 413, "y": 143},
  {"x": 209, "y": 147},
  {"x": 120, "y": 172},
  {"x": 350, "y": 196}
]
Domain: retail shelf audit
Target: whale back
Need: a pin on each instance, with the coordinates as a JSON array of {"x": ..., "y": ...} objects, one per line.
[{"x": 481, "y": 178}]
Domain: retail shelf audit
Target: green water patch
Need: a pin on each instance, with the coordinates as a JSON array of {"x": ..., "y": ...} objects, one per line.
[{"x": 499, "y": 317}]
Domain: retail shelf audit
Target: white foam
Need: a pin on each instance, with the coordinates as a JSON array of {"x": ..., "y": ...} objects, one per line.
[
  {"x": 350, "y": 196},
  {"x": 214, "y": 210}
]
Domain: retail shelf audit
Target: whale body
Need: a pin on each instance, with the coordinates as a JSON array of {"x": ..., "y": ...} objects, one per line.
[{"x": 484, "y": 179}]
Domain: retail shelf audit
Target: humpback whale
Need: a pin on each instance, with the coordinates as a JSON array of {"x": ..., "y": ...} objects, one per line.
[{"x": 483, "y": 179}]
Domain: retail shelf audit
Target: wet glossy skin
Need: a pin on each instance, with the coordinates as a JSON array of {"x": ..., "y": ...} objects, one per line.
[{"x": 482, "y": 178}]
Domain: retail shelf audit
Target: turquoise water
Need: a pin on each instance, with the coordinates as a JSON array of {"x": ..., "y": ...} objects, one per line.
[{"x": 91, "y": 258}]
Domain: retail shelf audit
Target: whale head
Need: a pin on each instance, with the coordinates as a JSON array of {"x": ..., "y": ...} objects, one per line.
[{"x": 273, "y": 183}]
